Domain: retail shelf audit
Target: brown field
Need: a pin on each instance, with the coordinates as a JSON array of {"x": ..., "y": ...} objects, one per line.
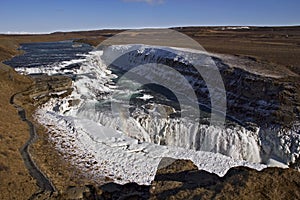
[{"x": 279, "y": 45}]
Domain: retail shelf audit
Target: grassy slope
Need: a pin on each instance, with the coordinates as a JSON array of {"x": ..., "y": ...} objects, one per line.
[{"x": 15, "y": 179}]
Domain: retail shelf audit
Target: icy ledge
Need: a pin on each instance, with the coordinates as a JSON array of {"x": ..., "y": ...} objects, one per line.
[{"x": 87, "y": 145}]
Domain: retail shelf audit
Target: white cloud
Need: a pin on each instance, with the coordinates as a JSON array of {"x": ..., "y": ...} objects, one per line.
[{"x": 152, "y": 2}]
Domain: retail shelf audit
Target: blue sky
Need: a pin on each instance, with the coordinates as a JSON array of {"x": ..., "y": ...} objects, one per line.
[{"x": 64, "y": 15}]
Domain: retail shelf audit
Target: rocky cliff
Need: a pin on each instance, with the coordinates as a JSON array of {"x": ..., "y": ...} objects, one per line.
[{"x": 262, "y": 103}]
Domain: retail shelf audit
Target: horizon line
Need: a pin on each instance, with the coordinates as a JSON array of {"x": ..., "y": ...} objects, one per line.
[{"x": 133, "y": 28}]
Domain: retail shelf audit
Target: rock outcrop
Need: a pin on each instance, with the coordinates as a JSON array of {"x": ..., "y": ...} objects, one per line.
[
  {"x": 46, "y": 87},
  {"x": 182, "y": 180}
]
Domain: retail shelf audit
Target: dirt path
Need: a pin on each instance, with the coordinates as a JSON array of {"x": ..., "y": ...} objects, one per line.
[{"x": 42, "y": 180}]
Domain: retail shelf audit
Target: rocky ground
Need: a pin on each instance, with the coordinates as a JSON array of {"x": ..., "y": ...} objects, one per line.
[{"x": 181, "y": 180}]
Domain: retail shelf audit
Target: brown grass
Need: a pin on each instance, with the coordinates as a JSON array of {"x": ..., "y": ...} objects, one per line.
[{"x": 16, "y": 183}]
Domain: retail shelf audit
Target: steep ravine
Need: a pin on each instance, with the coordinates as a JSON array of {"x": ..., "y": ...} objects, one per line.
[
  {"x": 262, "y": 106},
  {"x": 258, "y": 95}
]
